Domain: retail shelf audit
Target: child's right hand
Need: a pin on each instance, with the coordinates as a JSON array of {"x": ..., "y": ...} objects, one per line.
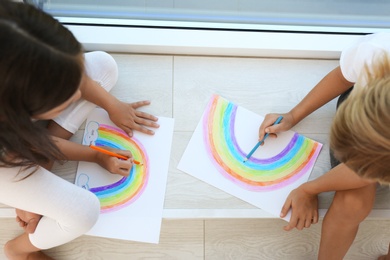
[
  {"x": 268, "y": 127},
  {"x": 115, "y": 165}
]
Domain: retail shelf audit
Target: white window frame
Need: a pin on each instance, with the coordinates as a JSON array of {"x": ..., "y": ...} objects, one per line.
[{"x": 195, "y": 38}]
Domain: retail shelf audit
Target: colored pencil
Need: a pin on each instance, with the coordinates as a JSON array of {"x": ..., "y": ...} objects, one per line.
[
  {"x": 99, "y": 149},
  {"x": 261, "y": 141}
]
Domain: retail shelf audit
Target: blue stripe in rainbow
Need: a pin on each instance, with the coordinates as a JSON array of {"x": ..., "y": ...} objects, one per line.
[{"x": 127, "y": 190}]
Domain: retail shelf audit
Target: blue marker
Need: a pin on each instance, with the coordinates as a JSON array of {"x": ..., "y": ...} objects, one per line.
[{"x": 261, "y": 141}]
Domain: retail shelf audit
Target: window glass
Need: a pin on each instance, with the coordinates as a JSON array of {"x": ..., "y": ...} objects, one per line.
[{"x": 241, "y": 14}]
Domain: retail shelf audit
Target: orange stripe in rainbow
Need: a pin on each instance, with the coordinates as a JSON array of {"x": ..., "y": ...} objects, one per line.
[
  {"x": 290, "y": 164},
  {"x": 127, "y": 190}
]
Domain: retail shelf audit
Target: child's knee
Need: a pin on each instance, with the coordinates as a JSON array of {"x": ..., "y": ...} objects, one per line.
[
  {"x": 353, "y": 205},
  {"x": 102, "y": 68},
  {"x": 83, "y": 215},
  {"x": 8, "y": 249}
]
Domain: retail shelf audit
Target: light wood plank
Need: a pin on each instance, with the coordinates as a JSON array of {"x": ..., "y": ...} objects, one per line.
[
  {"x": 260, "y": 85},
  {"x": 258, "y": 239},
  {"x": 146, "y": 77},
  {"x": 178, "y": 240},
  {"x": 264, "y": 239}
]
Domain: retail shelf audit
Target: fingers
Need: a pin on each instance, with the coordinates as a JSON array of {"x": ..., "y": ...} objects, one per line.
[
  {"x": 270, "y": 136},
  {"x": 315, "y": 218},
  {"x": 286, "y": 207},
  {"x": 139, "y": 128},
  {"x": 116, "y": 165},
  {"x": 267, "y": 127},
  {"x": 140, "y": 121},
  {"x": 293, "y": 221},
  {"x": 300, "y": 222},
  {"x": 274, "y": 129},
  {"x": 151, "y": 119},
  {"x": 122, "y": 167},
  {"x": 139, "y": 104},
  {"x": 125, "y": 153}
]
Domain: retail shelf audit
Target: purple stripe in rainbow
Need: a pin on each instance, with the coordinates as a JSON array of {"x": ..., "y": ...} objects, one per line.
[
  {"x": 296, "y": 159},
  {"x": 128, "y": 189}
]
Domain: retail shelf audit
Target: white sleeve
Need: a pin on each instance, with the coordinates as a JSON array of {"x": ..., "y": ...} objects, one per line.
[{"x": 361, "y": 53}]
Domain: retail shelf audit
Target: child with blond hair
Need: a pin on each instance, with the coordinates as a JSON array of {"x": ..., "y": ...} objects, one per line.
[{"x": 359, "y": 142}]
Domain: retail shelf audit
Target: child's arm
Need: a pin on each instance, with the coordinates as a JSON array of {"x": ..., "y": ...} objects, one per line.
[
  {"x": 78, "y": 152},
  {"x": 303, "y": 200},
  {"x": 331, "y": 86},
  {"x": 125, "y": 116},
  {"x": 339, "y": 178}
]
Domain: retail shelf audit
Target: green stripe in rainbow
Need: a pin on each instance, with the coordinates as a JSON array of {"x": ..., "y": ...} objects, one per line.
[
  {"x": 127, "y": 190},
  {"x": 290, "y": 164}
]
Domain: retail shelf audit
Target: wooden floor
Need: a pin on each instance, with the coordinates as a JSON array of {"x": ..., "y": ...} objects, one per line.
[{"x": 180, "y": 87}]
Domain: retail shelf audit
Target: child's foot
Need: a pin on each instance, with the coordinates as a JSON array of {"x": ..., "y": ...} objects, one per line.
[
  {"x": 31, "y": 256},
  {"x": 20, "y": 248},
  {"x": 39, "y": 256},
  {"x": 27, "y": 220}
]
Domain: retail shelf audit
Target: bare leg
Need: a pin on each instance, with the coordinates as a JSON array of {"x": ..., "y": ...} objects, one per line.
[
  {"x": 349, "y": 208},
  {"x": 20, "y": 248}
]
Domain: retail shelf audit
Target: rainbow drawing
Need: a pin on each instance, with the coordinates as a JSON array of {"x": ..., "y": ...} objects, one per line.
[
  {"x": 128, "y": 189},
  {"x": 296, "y": 159}
]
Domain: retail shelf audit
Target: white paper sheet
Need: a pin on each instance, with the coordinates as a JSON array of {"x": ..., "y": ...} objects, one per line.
[
  {"x": 224, "y": 136},
  {"x": 131, "y": 208}
]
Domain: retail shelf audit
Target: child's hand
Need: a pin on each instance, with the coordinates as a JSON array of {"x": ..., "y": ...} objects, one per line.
[
  {"x": 304, "y": 209},
  {"x": 127, "y": 117},
  {"x": 113, "y": 164},
  {"x": 267, "y": 127}
]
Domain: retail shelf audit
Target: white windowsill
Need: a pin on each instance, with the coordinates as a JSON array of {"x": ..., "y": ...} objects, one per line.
[{"x": 112, "y": 38}]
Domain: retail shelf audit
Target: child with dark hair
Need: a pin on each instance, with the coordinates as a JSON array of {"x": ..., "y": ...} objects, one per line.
[{"x": 45, "y": 75}]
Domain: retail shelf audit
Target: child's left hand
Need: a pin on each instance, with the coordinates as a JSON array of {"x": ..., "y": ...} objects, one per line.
[
  {"x": 127, "y": 117},
  {"x": 304, "y": 209}
]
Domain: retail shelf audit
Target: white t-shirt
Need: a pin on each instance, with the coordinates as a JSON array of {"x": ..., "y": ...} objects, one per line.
[{"x": 362, "y": 52}]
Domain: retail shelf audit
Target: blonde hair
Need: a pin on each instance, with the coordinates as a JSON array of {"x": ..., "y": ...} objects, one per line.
[{"x": 360, "y": 132}]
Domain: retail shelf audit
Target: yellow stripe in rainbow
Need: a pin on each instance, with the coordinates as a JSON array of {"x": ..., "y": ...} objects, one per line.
[
  {"x": 290, "y": 164},
  {"x": 127, "y": 190}
]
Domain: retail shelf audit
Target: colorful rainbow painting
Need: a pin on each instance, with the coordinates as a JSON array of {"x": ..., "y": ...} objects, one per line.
[
  {"x": 266, "y": 174},
  {"x": 128, "y": 189}
]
